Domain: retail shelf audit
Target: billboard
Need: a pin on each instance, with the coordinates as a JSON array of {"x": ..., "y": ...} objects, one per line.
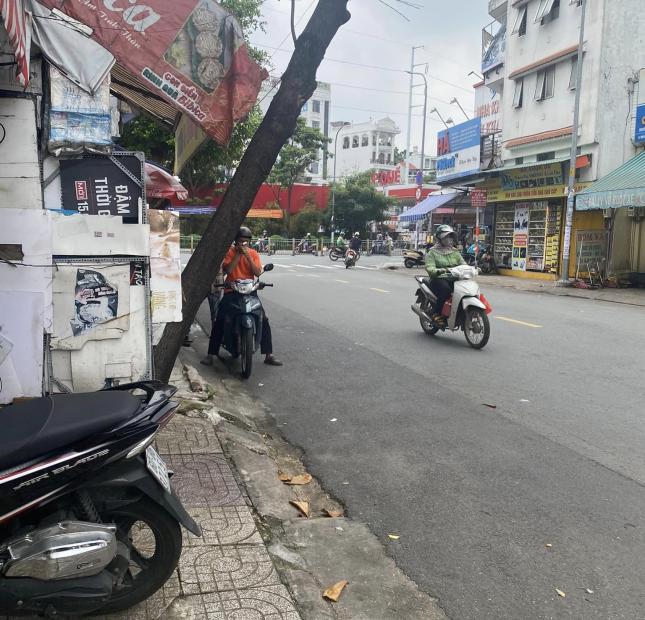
[{"x": 458, "y": 150}]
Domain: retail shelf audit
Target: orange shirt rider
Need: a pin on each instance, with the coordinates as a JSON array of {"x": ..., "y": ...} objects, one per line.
[{"x": 241, "y": 262}]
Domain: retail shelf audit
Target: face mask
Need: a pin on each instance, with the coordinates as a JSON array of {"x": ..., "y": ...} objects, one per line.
[{"x": 447, "y": 241}]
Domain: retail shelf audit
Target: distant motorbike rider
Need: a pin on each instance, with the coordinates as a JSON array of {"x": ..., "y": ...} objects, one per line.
[
  {"x": 355, "y": 243},
  {"x": 306, "y": 243},
  {"x": 341, "y": 244},
  {"x": 441, "y": 257},
  {"x": 263, "y": 242},
  {"x": 241, "y": 263}
]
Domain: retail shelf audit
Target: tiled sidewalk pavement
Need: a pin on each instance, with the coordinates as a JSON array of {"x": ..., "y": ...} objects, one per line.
[{"x": 226, "y": 574}]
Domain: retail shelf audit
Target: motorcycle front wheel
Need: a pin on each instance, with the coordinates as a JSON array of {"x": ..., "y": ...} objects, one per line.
[
  {"x": 476, "y": 328},
  {"x": 154, "y": 541},
  {"x": 246, "y": 352}
]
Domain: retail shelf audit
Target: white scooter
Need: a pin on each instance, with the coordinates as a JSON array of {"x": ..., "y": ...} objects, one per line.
[{"x": 466, "y": 309}]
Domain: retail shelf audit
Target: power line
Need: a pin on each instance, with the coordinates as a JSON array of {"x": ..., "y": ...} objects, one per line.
[
  {"x": 366, "y": 66},
  {"x": 344, "y": 107}
]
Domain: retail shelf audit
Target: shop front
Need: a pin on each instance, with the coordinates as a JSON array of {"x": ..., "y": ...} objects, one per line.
[{"x": 529, "y": 207}]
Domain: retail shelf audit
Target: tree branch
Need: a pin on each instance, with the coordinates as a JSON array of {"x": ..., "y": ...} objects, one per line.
[{"x": 297, "y": 85}]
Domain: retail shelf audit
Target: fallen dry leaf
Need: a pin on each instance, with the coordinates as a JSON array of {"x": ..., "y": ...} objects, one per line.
[
  {"x": 560, "y": 593},
  {"x": 548, "y": 546},
  {"x": 333, "y": 592},
  {"x": 589, "y": 591},
  {"x": 393, "y": 536},
  {"x": 333, "y": 513},
  {"x": 302, "y": 506},
  {"x": 490, "y": 406},
  {"x": 283, "y": 477},
  {"x": 299, "y": 480}
]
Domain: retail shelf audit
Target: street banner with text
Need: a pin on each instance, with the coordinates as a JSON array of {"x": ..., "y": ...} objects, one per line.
[{"x": 189, "y": 52}]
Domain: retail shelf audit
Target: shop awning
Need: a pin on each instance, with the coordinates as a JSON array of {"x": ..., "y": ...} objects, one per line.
[
  {"x": 162, "y": 184},
  {"x": 624, "y": 187},
  {"x": 432, "y": 202}
]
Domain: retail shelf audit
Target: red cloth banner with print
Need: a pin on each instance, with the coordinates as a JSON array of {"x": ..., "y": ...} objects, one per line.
[
  {"x": 189, "y": 52},
  {"x": 18, "y": 27}
]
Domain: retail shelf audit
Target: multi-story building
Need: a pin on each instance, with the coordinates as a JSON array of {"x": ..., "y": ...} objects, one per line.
[
  {"x": 365, "y": 146},
  {"x": 530, "y": 61},
  {"x": 316, "y": 113}
]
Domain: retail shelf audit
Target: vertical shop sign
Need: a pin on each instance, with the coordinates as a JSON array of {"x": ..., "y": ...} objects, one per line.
[{"x": 520, "y": 236}]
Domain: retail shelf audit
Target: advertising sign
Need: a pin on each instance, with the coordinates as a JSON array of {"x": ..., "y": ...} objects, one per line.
[
  {"x": 189, "y": 52},
  {"x": 188, "y": 139},
  {"x": 520, "y": 237},
  {"x": 639, "y": 138},
  {"x": 488, "y": 107},
  {"x": 458, "y": 150},
  {"x": 494, "y": 51},
  {"x": 478, "y": 198},
  {"x": 387, "y": 177},
  {"x": 98, "y": 186}
]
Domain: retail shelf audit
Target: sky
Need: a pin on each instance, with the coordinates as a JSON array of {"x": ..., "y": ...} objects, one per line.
[{"x": 380, "y": 41}]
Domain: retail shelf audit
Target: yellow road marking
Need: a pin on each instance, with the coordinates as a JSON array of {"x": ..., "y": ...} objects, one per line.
[
  {"x": 503, "y": 318},
  {"x": 343, "y": 281},
  {"x": 379, "y": 290}
]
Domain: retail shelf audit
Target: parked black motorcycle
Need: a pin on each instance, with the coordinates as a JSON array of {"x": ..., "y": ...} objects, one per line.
[
  {"x": 243, "y": 320},
  {"x": 484, "y": 260},
  {"x": 89, "y": 522},
  {"x": 414, "y": 258}
]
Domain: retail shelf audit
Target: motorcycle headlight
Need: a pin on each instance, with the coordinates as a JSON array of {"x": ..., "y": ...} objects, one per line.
[{"x": 244, "y": 287}]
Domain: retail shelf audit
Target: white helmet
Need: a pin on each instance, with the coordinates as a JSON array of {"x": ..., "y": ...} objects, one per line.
[{"x": 356, "y": 234}]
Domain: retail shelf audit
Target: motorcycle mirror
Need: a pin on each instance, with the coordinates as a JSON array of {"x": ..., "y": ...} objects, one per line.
[{"x": 268, "y": 267}]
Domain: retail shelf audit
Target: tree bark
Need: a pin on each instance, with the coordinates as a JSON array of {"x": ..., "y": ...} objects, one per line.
[{"x": 297, "y": 86}]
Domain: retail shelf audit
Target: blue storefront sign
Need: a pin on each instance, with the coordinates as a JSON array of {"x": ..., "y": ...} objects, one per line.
[
  {"x": 458, "y": 150},
  {"x": 640, "y": 124}
]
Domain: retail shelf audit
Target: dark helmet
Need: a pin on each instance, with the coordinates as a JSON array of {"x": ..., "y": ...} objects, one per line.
[{"x": 244, "y": 233}]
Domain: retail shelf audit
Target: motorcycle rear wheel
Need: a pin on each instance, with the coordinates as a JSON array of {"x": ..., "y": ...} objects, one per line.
[
  {"x": 409, "y": 263},
  {"x": 476, "y": 328},
  {"x": 152, "y": 562},
  {"x": 333, "y": 256},
  {"x": 246, "y": 352},
  {"x": 429, "y": 328}
]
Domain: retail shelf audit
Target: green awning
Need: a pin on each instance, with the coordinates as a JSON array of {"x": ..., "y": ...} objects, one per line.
[{"x": 624, "y": 187}]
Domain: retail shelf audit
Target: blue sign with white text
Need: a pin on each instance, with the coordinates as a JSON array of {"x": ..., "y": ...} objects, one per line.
[
  {"x": 639, "y": 138},
  {"x": 458, "y": 150}
]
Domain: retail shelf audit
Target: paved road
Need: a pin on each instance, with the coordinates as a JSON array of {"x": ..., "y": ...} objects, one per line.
[{"x": 475, "y": 494}]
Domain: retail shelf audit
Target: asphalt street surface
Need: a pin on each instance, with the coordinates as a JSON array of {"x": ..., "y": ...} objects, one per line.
[{"x": 496, "y": 508}]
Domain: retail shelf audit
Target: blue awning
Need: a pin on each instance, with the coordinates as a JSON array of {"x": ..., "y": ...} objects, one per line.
[{"x": 432, "y": 202}]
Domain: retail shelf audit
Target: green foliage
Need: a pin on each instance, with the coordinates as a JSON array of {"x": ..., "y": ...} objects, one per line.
[
  {"x": 307, "y": 220},
  {"x": 297, "y": 155},
  {"x": 357, "y": 204},
  {"x": 156, "y": 140}
]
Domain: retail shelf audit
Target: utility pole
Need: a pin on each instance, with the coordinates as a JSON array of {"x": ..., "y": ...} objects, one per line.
[
  {"x": 409, "y": 132},
  {"x": 566, "y": 250}
]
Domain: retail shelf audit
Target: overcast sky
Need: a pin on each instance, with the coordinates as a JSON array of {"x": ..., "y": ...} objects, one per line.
[{"x": 449, "y": 30}]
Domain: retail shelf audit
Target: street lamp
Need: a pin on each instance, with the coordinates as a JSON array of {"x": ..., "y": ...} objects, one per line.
[
  {"x": 449, "y": 121},
  {"x": 435, "y": 111},
  {"x": 425, "y": 106},
  {"x": 333, "y": 186},
  {"x": 479, "y": 77},
  {"x": 455, "y": 100}
]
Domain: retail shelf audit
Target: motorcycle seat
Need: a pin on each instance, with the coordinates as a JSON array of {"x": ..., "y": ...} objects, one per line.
[{"x": 39, "y": 426}]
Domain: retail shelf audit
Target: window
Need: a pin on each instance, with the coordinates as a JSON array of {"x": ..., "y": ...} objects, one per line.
[
  {"x": 389, "y": 158},
  {"x": 354, "y": 142},
  {"x": 520, "y": 22},
  {"x": 576, "y": 2},
  {"x": 519, "y": 161},
  {"x": 381, "y": 158},
  {"x": 574, "y": 73},
  {"x": 546, "y": 156},
  {"x": 373, "y": 156},
  {"x": 365, "y": 141},
  {"x": 373, "y": 139},
  {"x": 519, "y": 93},
  {"x": 548, "y": 10},
  {"x": 305, "y": 107},
  {"x": 314, "y": 168},
  {"x": 315, "y": 124},
  {"x": 315, "y": 106},
  {"x": 545, "y": 83},
  {"x": 346, "y": 142}
]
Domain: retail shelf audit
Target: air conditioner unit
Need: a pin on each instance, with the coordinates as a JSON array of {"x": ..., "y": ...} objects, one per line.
[{"x": 631, "y": 211}]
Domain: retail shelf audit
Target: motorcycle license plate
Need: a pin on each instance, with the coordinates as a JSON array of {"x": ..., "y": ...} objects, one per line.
[{"x": 157, "y": 468}]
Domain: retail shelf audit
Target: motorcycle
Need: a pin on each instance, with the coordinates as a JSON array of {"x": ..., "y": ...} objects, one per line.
[
  {"x": 466, "y": 309},
  {"x": 381, "y": 247},
  {"x": 305, "y": 247},
  {"x": 243, "y": 320},
  {"x": 484, "y": 260},
  {"x": 263, "y": 246},
  {"x": 351, "y": 258},
  {"x": 335, "y": 253},
  {"x": 89, "y": 522},
  {"x": 414, "y": 258}
]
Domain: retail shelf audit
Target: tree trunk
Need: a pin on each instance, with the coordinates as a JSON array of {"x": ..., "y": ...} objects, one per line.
[{"x": 298, "y": 84}]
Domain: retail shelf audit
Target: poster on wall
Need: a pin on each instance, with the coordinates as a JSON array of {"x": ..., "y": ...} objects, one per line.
[
  {"x": 520, "y": 237},
  {"x": 104, "y": 186},
  {"x": 165, "y": 267}
]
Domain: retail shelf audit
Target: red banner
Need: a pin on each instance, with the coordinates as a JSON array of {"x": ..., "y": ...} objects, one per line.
[
  {"x": 478, "y": 197},
  {"x": 17, "y": 24},
  {"x": 189, "y": 52}
]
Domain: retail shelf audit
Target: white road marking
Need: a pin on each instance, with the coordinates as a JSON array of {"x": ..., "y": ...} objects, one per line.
[
  {"x": 516, "y": 322},
  {"x": 325, "y": 266},
  {"x": 368, "y": 268},
  {"x": 343, "y": 281},
  {"x": 379, "y": 290}
]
